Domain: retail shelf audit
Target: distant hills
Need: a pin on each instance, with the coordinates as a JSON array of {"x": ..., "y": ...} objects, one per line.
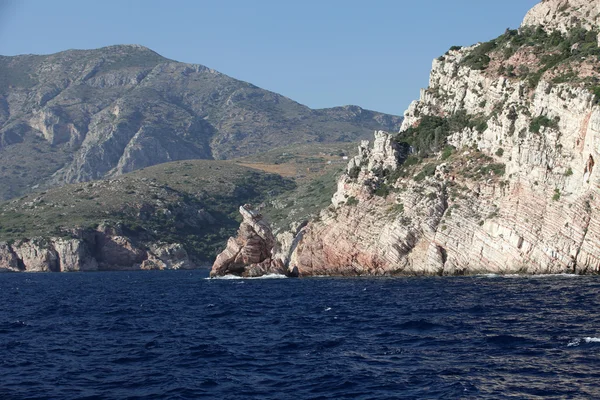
[{"x": 81, "y": 115}]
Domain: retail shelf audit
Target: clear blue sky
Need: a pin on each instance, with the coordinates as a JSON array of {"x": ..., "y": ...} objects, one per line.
[{"x": 322, "y": 53}]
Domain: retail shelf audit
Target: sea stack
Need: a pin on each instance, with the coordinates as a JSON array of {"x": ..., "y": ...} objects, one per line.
[{"x": 250, "y": 253}]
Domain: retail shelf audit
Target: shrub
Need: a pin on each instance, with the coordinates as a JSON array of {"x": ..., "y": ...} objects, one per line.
[
  {"x": 481, "y": 126},
  {"x": 556, "y": 195},
  {"x": 538, "y": 122},
  {"x": 383, "y": 190},
  {"x": 496, "y": 169},
  {"x": 428, "y": 170},
  {"x": 500, "y": 152},
  {"x": 478, "y": 59},
  {"x": 431, "y": 134},
  {"x": 397, "y": 208},
  {"x": 447, "y": 152},
  {"x": 354, "y": 171},
  {"x": 569, "y": 172},
  {"x": 596, "y": 91},
  {"x": 352, "y": 201}
]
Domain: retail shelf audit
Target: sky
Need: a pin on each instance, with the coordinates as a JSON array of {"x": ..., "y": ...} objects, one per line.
[{"x": 322, "y": 53}]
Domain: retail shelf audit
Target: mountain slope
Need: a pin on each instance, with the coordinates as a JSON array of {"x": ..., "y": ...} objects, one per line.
[{"x": 81, "y": 115}]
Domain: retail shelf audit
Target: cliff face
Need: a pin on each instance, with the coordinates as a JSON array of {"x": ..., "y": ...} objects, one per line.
[
  {"x": 563, "y": 15},
  {"x": 88, "y": 250},
  {"x": 500, "y": 175}
]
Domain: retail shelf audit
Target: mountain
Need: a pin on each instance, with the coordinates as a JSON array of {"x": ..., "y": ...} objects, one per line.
[
  {"x": 81, "y": 115},
  {"x": 493, "y": 171}
]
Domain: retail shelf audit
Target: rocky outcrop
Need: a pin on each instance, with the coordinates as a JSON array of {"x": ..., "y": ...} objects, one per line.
[
  {"x": 104, "y": 249},
  {"x": 519, "y": 192},
  {"x": 251, "y": 252},
  {"x": 167, "y": 256},
  {"x": 564, "y": 15}
]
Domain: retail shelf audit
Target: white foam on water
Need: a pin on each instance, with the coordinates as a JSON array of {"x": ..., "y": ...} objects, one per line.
[
  {"x": 234, "y": 277},
  {"x": 225, "y": 277},
  {"x": 555, "y": 275},
  {"x": 528, "y": 276},
  {"x": 270, "y": 276},
  {"x": 487, "y": 276},
  {"x": 577, "y": 341}
]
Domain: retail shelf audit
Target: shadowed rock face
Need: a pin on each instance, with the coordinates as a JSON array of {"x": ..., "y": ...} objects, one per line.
[
  {"x": 81, "y": 115},
  {"x": 250, "y": 253},
  {"x": 88, "y": 250}
]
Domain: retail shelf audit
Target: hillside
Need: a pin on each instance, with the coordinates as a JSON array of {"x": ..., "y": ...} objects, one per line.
[
  {"x": 188, "y": 204},
  {"x": 82, "y": 115}
]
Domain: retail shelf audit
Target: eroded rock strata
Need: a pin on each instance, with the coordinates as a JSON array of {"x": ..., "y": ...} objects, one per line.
[
  {"x": 103, "y": 249},
  {"x": 500, "y": 174},
  {"x": 252, "y": 252}
]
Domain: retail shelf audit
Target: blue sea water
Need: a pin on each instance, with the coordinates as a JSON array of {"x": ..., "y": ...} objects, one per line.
[{"x": 178, "y": 335}]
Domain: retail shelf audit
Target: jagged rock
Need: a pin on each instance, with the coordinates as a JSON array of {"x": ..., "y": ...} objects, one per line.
[
  {"x": 167, "y": 256},
  {"x": 118, "y": 252},
  {"x": 251, "y": 252},
  {"x": 37, "y": 256},
  {"x": 74, "y": 255},
  {"x": 563, "y": 15},
  {"x": 8, "y": 259},
  {"x": 104, "y": 249}
]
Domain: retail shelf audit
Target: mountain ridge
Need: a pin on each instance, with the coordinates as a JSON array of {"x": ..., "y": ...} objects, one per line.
[{"x": 81, "y": 115}]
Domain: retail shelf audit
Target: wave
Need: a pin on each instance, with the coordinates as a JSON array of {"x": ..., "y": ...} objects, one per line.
[
  {"x": 528, "y": 276},
  {"x": 577, "y": 341},
  {"x": 268, "y": 276}
]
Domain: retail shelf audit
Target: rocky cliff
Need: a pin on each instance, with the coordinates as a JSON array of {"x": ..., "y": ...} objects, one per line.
[
  {"x": 253, "y": 251},
  {"x": 494, "y": 169},
  {"x": 103, "y": 249},
  {"x": 82, "y": 115}
]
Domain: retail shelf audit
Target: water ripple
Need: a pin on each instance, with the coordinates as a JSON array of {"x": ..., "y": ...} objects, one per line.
[{"x": 177, "y": 335}]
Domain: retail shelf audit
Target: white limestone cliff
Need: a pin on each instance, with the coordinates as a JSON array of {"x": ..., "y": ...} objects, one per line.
[{"x": 539, "y": 216}]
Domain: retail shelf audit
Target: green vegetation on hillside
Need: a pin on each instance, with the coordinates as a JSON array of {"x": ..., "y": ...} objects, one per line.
[
  {"x": 542, "y": 121},
  {"x": 82, "y": 115},
  {"x": 554, "y": 49},
  {"x": 431, "y": 135},
  {"x": 315, "y": 168},
  {"x": 190, "y": 202}
]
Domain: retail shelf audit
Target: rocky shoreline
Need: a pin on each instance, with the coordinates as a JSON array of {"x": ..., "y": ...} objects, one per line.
[{"x": 103, "y": 249}]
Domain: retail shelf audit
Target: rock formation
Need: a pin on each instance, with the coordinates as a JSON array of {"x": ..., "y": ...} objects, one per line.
[
  {"x": 564, "y": 15},
  {"x": 251, "y": 253},
  {"x": 515, "y": 189},
  {"x": 90, "y": 250}
]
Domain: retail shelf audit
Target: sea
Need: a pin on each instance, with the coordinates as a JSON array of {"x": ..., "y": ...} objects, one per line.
[{"x": 180, "y": 335}]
